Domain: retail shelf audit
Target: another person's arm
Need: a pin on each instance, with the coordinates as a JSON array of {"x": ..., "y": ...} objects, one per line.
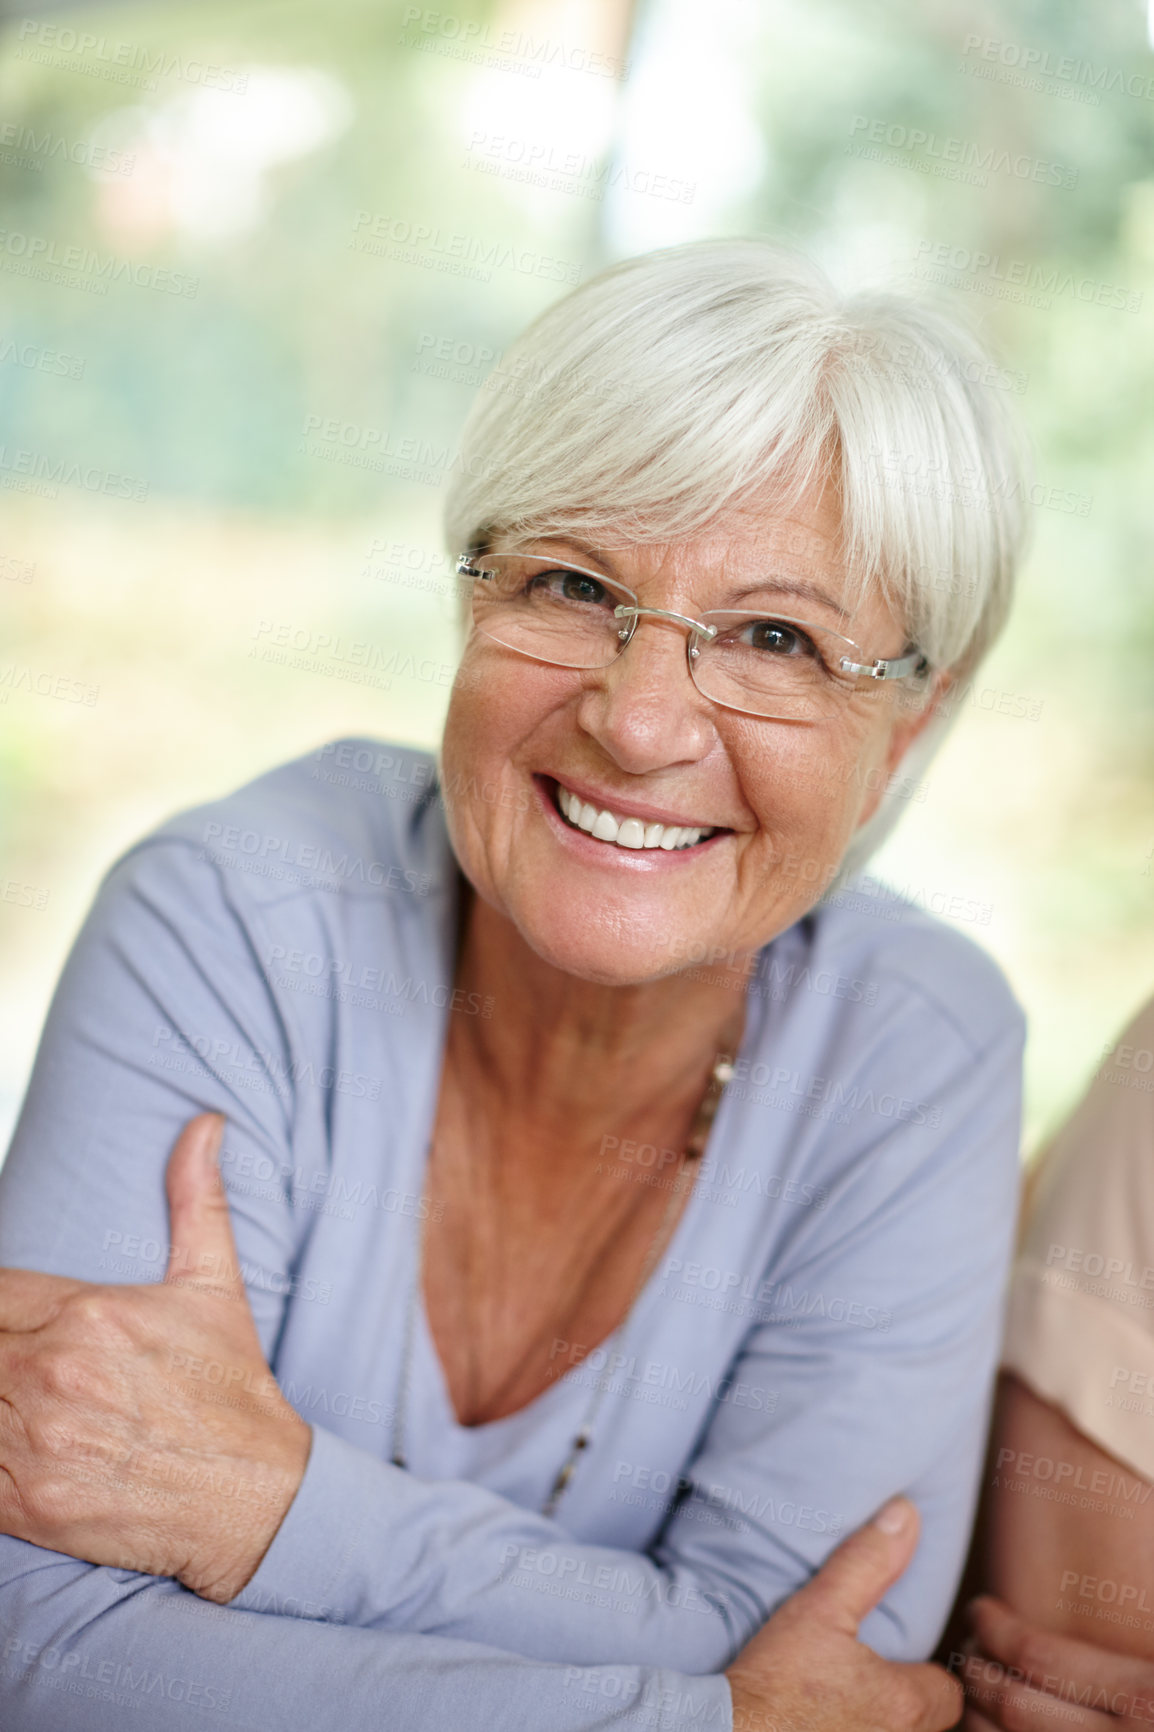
[
  {"x": 1065, "y": 1548},
  {"x": 1067, "y": 1567},
  {"x": 1079, "y": 1561}
]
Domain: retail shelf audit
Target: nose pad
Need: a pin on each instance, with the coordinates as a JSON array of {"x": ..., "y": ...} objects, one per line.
[{"x": 627, "y": 662}]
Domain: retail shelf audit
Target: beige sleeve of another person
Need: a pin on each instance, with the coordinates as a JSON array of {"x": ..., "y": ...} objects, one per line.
[{"x": 1080, "y": 1331}]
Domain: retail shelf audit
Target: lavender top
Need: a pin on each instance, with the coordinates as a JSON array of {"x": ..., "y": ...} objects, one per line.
[{"x": 822, "y": 1332}]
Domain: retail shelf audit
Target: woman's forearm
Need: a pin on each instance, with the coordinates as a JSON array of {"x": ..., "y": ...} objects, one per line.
[
  {"x": 383, "y": 1550},
  {"x": 85, "y": 1646}
]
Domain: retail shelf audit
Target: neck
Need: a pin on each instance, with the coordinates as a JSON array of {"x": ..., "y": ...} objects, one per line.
[{"x": 581, "y": 1059}]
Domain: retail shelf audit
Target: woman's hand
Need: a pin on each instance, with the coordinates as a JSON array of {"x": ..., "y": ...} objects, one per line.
[
  {"x": 806, "y": 1671},
  {"x": 140, "y": 1426},
  {"x": 1019, "y": 1678}
]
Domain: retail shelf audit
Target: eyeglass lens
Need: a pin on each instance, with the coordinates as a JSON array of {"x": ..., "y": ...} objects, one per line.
[{"x": 770, "y": 666}]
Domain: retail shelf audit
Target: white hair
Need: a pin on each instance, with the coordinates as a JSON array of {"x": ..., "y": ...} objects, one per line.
[{"x": 679, "y": 386}]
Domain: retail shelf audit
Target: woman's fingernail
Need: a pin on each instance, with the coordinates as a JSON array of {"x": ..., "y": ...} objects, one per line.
[
  {"x": 212, "y": 1128},
  {"x": 893, "y": 1516}
]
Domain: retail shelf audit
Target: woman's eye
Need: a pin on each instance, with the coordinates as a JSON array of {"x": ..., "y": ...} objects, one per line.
[
  {"x": 775, "y": 637},
  {"x": 570, "y": 586}
]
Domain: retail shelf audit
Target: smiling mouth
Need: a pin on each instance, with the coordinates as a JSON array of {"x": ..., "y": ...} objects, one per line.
[{"x": 605, "y": 825}]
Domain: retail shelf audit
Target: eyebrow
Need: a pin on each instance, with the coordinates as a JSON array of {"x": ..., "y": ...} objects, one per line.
[
  {"x": 776, "y": 585},
  {"x": 796, "y": 586}
]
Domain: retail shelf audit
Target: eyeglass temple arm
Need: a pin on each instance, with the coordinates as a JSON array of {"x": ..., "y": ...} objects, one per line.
[{"x": 898, "y": 669}]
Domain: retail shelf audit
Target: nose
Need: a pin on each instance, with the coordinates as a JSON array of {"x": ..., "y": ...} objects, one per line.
[{"x": 644, "y": 709}]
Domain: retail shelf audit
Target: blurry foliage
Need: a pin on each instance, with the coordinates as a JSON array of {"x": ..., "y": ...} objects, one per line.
[{"x": 1051, "y": 824}]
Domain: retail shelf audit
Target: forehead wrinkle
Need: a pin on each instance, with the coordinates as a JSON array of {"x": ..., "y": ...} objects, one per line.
[{"x": 806, "y": 592}]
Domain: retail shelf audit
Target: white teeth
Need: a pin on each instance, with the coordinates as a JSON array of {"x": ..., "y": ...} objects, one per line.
[{"x": 626, "y": 832}]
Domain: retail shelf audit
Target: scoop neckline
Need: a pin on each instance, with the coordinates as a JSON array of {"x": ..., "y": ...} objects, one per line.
[{"x": 644, "y": 1300}]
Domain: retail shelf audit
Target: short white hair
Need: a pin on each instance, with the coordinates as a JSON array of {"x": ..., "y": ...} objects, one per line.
[{"x": 678, "y": 386}]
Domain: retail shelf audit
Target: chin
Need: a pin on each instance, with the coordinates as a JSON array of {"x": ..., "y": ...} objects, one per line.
[{"x": 600, "y": 951}]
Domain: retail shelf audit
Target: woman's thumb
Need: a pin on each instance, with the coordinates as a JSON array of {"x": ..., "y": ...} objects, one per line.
[
  {"x": 856, "y": 1576},
  {"x": 202, "y": 1250}
]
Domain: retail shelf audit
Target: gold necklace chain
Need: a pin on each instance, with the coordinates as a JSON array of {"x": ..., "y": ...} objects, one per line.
[{"x": 695, "y": 1144}]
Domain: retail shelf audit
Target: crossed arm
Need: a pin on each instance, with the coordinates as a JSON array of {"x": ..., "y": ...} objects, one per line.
[
  {"x": 155, "y": 955},
  {"x": 80, "y": 1366}
]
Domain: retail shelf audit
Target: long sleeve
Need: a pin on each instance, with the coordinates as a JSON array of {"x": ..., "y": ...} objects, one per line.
[
  {"x": 164, "y": 1010},
  {"x": 82, "y": 1646},
  {"x": 878, "y": 1335},
  {"x": 833, "y": 1354}
]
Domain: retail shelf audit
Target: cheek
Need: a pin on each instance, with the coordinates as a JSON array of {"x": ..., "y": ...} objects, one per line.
[
  {"x": 483, "y": 721},
  {"x": 810, "y": 788},
  {"x": 497, "y": 703}
]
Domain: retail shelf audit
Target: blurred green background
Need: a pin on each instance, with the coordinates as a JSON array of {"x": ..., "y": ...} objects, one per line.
[{"x": 255, "y": 259}]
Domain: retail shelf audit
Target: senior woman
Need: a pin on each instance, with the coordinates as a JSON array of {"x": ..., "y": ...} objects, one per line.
[{"x": 623, "y": 1221}]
